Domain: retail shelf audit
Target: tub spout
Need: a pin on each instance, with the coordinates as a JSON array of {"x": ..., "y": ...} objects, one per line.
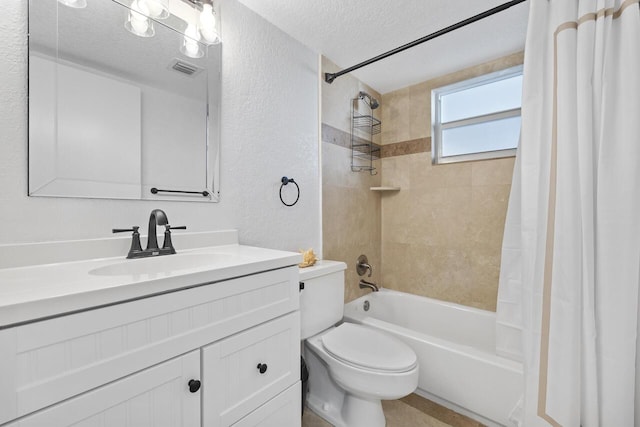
[{"x": 365, "y": 284}]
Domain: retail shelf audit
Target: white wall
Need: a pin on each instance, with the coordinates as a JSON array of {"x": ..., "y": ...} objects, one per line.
[{"x": 269, "y": 129}]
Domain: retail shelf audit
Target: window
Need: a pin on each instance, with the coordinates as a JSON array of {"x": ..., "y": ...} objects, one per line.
[{"x": 477, "y": 118}]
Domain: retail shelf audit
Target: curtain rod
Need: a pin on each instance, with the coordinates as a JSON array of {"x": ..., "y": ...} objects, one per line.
[{"x": 330, "y": 77}]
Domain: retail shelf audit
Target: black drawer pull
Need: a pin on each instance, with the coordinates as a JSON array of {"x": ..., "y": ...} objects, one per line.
[
  {"x": 194, "y": 385},
  {"x": 262, "y": 367}
]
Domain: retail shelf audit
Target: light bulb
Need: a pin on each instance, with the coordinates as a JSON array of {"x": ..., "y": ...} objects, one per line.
[
  {"x": 140, "y": 25},
  {"x": 137, "y": 21},
  {"x": 207, "y": 24},
  {"x": 158, "y": 9},
  {"x": 76, "y": 4},
  {"x": 190, "y": 45}
]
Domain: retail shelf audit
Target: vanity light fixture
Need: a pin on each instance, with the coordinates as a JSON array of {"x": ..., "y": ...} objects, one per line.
[
  {"x": 207, "y": 24},
  {"x": 158, "y": 9},
  {"x": 138, "y": 21},
  {"x": 76, "y": 4},
  {"x": 199, "y": 15},
  {"x": 191, "y": 43}
]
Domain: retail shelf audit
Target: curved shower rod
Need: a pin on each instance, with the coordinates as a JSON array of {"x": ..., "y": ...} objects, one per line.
[{"x": 330, "y": 77}]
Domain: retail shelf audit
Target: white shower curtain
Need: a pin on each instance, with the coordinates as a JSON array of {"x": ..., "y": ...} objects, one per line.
[{"x": 568, "y": 295}]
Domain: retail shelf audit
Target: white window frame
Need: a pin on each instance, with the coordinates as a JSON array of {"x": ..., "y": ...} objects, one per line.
[{"x": 437, "y": 127}]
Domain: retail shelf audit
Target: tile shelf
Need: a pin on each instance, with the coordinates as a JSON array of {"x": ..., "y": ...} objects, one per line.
[{"x": 385, "y": 189}]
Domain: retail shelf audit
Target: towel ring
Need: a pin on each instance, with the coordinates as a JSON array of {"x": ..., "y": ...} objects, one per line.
[{"x": 286, "y": 181}]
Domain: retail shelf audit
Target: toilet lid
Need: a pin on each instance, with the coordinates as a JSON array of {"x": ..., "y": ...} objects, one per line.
[{"x": 369, "y": 348}]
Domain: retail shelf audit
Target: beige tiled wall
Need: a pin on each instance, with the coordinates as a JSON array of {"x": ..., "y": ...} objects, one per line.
[
  {"x": 350, "y": 211},
  {"x": 406, "y": 113},
  {"x": 442, "y": 233},
  {"x": 440, "y": 236}
]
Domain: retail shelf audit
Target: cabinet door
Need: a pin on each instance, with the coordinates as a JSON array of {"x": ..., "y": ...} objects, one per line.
[
  {"x": 244, "y": 371},
  {"x": 281, "y": 411},
  {"x": 156, "y": 397}
]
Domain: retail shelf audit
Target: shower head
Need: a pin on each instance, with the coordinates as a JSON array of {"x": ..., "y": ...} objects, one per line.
[{"x": 371, "y": 101}]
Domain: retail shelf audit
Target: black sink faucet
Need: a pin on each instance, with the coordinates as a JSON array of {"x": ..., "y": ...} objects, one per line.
[{"x": 157, "y": 217}]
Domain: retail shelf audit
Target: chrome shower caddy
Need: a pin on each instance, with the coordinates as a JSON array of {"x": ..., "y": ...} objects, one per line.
[{"x": 363, "y": 128}]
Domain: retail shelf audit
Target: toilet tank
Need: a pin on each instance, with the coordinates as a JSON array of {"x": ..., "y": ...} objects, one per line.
[{"x": 322, "y": 299}]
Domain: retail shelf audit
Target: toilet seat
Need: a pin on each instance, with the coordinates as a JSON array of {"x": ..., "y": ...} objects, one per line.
[{"x": 367, "y": 348}]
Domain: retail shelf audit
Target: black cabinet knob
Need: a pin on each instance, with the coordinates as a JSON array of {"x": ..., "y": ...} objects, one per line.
[
  {"x": 194, "y": 385},
  {"x": 262, "y": 367}
]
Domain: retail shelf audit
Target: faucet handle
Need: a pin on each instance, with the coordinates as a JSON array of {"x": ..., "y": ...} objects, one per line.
[
  {"x": 135, "y": 239},
  {"x": 180, "y": 227},
  {"x": 362, "y": 266},
  {"x": 168, "y": 244},
  {"x": 124, "y": 230}
]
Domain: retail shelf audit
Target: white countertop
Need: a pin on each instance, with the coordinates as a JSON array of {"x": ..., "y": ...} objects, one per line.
[{"x": 34, "y": 292}]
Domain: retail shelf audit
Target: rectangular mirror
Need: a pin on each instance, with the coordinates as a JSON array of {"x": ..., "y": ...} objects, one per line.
[{"x": 122, "y": 105}]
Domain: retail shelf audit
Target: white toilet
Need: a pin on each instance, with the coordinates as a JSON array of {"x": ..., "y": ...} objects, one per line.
[{"x": 351, "y": 367}]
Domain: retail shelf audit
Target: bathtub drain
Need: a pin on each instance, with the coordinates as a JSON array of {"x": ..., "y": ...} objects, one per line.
[{"x": 366, "y": 306}]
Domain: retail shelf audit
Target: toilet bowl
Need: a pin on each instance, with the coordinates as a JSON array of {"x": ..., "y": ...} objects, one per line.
[
  {"x": 352, "y": 368},
  {"x": 366, "y": 366}
]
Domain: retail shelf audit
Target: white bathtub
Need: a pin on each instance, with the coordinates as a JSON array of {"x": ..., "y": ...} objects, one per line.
[{"x": 456, "y": 352}]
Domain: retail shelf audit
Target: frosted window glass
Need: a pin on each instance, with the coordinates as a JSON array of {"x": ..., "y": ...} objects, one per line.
[
  {"x": 484, "y": 99},
  {"x": 477, "y": 138}
]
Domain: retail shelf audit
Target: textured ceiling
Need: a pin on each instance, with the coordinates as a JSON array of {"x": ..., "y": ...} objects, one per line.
[{"x": 348, "y": 32}]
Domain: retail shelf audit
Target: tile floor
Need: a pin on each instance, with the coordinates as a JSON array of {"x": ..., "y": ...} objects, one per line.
[{"x": 411, "y": 411}]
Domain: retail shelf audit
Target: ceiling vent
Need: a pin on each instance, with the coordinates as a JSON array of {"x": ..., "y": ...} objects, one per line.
[{"x": 184, "y": 67}]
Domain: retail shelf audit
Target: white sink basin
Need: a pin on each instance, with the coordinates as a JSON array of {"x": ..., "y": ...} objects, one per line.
[{"x": 162, "y": 265}]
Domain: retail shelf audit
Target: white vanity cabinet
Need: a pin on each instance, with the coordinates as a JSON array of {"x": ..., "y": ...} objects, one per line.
[{"x": 130, "y": 363}]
